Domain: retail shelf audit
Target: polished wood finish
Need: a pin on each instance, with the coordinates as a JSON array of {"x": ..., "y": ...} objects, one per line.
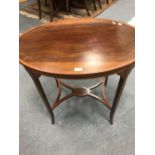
[
  {"x": 78, "y": 49},
  {"x": 96, "y": 46}
]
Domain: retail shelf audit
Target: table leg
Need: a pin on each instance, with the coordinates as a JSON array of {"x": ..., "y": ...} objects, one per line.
[
  {"x": 35, "y": 78},
  {"x": 83, "y": 91},
  {"x": 122, "y": 81}
]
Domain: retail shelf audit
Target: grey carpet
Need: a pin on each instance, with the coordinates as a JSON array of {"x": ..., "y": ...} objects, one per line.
[{"x": 82, "y": 126}]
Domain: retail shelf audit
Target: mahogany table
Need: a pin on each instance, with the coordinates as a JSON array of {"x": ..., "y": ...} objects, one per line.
[{"x": 79, "y": 49}]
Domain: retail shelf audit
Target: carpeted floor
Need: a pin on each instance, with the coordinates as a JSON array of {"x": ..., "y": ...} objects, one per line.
[{"x": 82, "y": 126}]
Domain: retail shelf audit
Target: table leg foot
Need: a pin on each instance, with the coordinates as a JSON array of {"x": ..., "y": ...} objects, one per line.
[
  {"x": 111, "y": 121},
  {"x": 52, "y": 118}
]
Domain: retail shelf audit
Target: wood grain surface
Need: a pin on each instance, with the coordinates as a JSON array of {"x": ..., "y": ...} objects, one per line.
[{"x": 78, "y": 48}]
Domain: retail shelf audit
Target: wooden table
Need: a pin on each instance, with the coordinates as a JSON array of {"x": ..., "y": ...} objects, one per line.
[{"x": 79, "y": 49}]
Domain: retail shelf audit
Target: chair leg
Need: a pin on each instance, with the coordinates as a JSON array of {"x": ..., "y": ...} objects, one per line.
[
  {"x": 39, "y": 8},
  {"x": 51, "y": 10},
  {"x": 94, "y": 5},
  {"x": 99, "y": 2},
  {"x": 86, "y": 7}
]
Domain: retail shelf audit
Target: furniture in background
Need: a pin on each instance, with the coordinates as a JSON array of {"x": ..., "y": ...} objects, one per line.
[
  {"x": 85, "y": 5},
  {"x": 90, "y": 48},
  {"x": 51, "y": 8},
  {"x": 53, "y": 5},
  {"x": 99, "y": 3}
]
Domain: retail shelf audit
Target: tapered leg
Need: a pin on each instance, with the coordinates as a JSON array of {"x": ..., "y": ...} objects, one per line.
[
  {"x": 86, "y": 6},
  {"x": 39, "y": 8},
  {"x": 51, "y": 10},
  {"x": 123, "y": 77},
  {"x": 40, "y": 89}
]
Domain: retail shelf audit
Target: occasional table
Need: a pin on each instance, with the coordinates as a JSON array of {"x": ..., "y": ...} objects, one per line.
[{"x": 79, "y": 49}]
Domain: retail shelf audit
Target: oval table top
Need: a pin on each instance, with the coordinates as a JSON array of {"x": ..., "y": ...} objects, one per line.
[{"x": 78, "y": 48}]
